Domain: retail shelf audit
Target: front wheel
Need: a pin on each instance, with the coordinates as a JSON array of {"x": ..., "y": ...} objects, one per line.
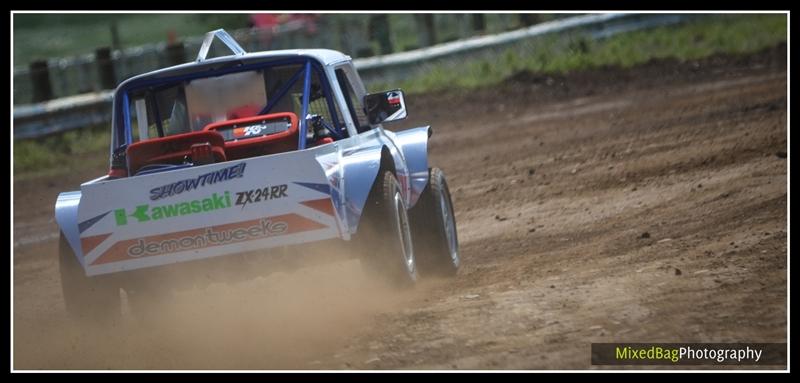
[
  {"x": 434, "y": 224},
  {"x": 386, "y": 234}
]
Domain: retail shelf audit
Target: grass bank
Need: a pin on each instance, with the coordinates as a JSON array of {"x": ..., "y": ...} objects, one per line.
[
  {"x": 695, "y": 40},
  {"x": 61, "y": 153},
  {"x": 731, "y": 33}
]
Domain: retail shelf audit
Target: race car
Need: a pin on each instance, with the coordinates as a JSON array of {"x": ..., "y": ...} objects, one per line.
[{"x": 225, "y": 163}]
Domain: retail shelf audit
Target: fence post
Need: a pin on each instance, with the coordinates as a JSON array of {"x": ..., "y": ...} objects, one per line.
[
  {"x": 378, "y": 30},
  {"x": 176, "y": 55},
  {"x": 428, "y": 24},
  {"x": 105, "y": 68},
  {"x": 115, "y": 36},
  {"x": 40, "y": 78},
  {"x": 478, "y": 23},
  {"x": 528, "y": 19},
  {"x": 85, "y": 80}
]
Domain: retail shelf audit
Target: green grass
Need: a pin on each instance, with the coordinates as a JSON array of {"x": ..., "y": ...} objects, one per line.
[
  {"x": 721, "y": 34},
  {"x": 405, "y": 31},
  {"x": 42, "y": 36},
  {"x": 562, "y": 54},
  {"x": 61, "y": 152}
]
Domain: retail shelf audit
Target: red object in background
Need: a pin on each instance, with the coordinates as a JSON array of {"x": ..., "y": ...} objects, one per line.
[
  {"x": 272, "y": 20},
  {"x": 243, "y": 111},
  {"x": 266, "y": 24},
  {"x": 308, "y": 20},
  {"x": 171, "y": 37},
  {"x": 265, "y": 20}
]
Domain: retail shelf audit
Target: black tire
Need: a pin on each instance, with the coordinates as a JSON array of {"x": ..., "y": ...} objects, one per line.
[
  {"x": 434, "y": 228},
  {"x": 88, "y": 300},
  {"x": 385, "y": 234}
]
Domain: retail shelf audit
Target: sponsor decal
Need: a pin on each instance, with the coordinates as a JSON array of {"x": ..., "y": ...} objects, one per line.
[
  {"x": 90, "y": 243},
  {"x": 207, "y": 237},
  {"x": 85, "y": 225},
  {"x": 265, "y": 127},
  {"x": 322, "y": 188},
  {"x": 264, "y": 228},
  {"x": 324, "y": 205},
  {"x": 145, "y": 213},
  {"x": 258, "y": 195},
  {"x": 394, "y": 98},
  {"x": 252, "y": 130},
  {"x": 175, "y": 188}
]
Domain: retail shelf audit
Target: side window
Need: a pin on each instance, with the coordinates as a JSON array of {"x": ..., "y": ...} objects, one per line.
[
  {"x": 292, "y": 101},
  {"x": 319, "y": 104},
  {"x": 142, "y": 118},
  {"x": 139, "y": 125},
  {"x": 158, "y": 112},
  {"x": 353, "y": 103}
]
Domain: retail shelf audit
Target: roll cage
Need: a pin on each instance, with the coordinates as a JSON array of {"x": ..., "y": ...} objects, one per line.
[{"x": 123, "y": 131}]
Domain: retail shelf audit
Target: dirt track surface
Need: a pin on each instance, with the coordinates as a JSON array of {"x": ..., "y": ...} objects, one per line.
[{"x": 614, "y": 205}]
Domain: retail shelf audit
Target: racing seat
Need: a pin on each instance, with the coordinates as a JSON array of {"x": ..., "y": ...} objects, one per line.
[
  {"x": 243, "y": 111},
  {"x": 199, "y": 147}
]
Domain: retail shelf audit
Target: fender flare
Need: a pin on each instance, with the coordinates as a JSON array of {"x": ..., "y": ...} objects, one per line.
[
  {"x": 361, "y": 169},
  {"x": 414, "y": 145},
  {"x": 67, "y": 219}
]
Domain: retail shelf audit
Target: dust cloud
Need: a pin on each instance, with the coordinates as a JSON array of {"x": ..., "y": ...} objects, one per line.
[{"x": 288, "y": 319}]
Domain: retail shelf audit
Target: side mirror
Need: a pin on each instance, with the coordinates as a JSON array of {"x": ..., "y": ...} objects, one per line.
[{"x": 385, "y": 106}]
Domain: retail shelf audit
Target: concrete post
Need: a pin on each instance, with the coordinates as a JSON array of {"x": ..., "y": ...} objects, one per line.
[
  {"x": 175, "y": 53},
  {"x": 105, "y": 68},
  {"x": 40, "y": 78}
]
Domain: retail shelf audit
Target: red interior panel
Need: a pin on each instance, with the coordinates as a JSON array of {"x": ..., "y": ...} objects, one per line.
[
  {"x": 246, "y": 147},
  {"x": 172, "y": 149}
]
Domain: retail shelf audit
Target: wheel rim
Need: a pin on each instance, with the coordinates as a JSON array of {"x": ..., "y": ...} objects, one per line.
[
  {"x": 404, "y": 232},
  {"x": 449, "y": 227}
]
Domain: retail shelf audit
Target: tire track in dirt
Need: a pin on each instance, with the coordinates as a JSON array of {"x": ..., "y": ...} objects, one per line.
[{"x": 611, "y": 205}]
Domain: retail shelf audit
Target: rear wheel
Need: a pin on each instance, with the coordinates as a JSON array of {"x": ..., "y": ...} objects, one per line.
[
  {"x": 385, "y": 234},
  {"x": 89, "y": 300},
  {"x": 434, "y": 228}
]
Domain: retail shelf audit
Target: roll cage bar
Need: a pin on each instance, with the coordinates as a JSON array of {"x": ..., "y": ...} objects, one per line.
[{"x": 123, "y": 132}]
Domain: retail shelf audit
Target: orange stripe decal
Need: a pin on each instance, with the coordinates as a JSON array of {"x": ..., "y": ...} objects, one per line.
[
  {"x": 89, "y": 243},
  {"x": 205, "y": 237},
  {"x": 324, "y": 205}
]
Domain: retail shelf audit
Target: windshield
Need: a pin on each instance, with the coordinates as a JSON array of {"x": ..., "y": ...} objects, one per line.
[{"x": 176, "y": 107}]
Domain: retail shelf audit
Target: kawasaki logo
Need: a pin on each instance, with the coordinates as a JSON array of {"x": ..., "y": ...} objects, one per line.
[{"x": 144, "y": 213}]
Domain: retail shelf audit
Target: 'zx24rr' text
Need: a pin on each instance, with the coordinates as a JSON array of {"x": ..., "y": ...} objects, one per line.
[{"x": 264, "y": 194}]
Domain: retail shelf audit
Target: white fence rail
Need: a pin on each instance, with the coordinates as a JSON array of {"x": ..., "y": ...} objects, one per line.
[{"x": 88, "y": 109}]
